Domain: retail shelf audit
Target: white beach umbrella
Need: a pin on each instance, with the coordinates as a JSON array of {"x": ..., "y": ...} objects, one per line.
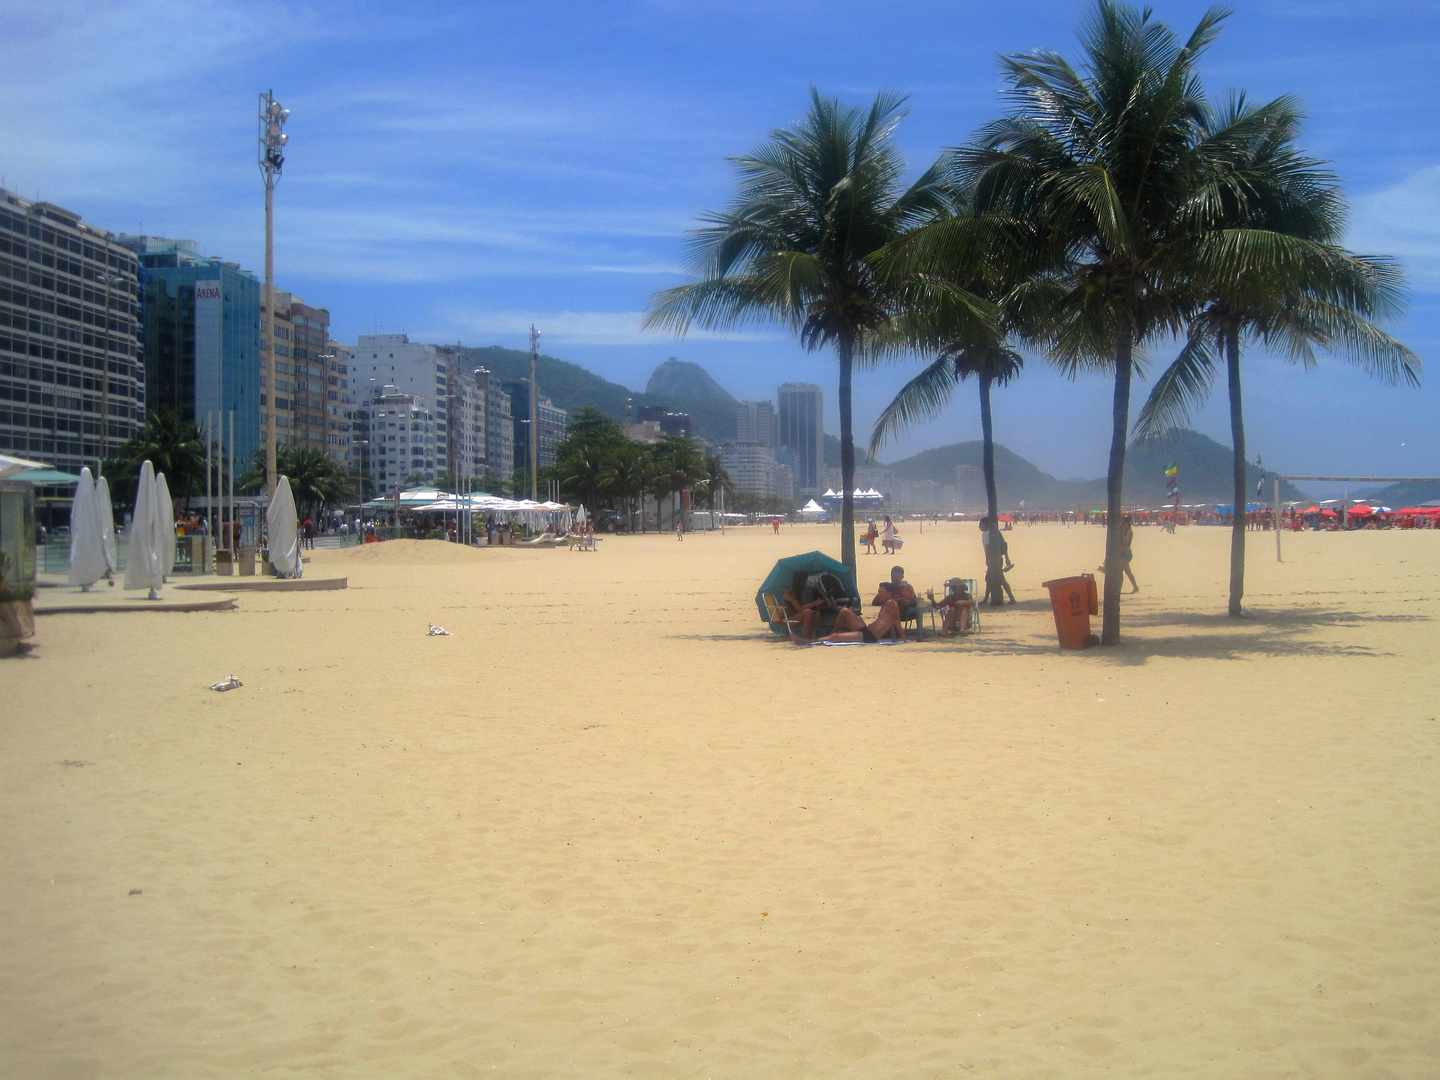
[
  {"x": 87, "y": 546},
  {"x": 142, "y": 567},
  {"x": 580, "y": 515},
  {"x": 284, "y": 537},
  {"x": 164, "y": 525},
  {"x": 105, "y": 516}
]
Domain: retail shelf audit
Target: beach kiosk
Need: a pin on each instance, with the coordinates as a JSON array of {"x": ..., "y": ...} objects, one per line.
[{"x": 17, "y": 553}]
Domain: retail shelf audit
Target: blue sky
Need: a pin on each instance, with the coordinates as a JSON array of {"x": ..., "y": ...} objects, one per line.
[{"x": 458, "y": 171}]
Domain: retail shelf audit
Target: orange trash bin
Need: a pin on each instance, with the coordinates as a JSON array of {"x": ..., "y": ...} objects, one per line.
[{"x": 1073, "y": 600}]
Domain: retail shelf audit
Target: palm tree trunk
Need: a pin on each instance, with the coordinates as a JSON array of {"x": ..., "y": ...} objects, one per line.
[
  {"x": 1242, "y": 481},
  {"x": 846, "y": 349},
  {"x": 1114, "y": 481},
  {"x": 987, "y": 452},
  {"x": 994, "y": 590}
]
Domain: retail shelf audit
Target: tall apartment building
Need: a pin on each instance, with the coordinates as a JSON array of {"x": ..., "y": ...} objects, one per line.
[
  {"x": 499, "y": 426},
  {"x": 470, "y": 411},
  {"x": 398, "y": 440},
  {"x": 302, "y": 334},
  {"x": 72, "y": 376},
  {"x": 969, "y": 487},
  {"x": 754, "y": 470},
  {"x": 553, "y": 422},
  {"x": 756, "y": 423},
  {"x": 411, "y": 367},
  {"x": 802, "y": 431},
  {"x": 339, "y": 417},
  {"x": 202, "y": 337},
  {"x": 467, "y": 418}
]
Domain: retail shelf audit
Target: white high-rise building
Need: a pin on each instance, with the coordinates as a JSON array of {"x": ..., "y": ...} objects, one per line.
[
  {"x": 969, "y": 487},
  {"x": 755, "y": 423}
]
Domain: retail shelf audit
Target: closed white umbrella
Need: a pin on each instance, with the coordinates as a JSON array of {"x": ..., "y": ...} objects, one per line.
[
  {"x": 87, "y": 546},
  {"x": 142, "y": 567},
  {"x": 164, "y": 525},
  {"x": 105, "y": 514},
  {"x": 284, "y": 537}
]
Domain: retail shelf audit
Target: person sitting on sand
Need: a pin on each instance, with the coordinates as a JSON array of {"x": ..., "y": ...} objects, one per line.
[
  {"x": 956, "y": 605},
  {"x": 850, "y": 627},
  {"x": 806, "y": 614},
  {"x": 902, "y": 591}
]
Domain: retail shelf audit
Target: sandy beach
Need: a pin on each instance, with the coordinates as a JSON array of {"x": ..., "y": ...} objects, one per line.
[{"x": 611, "y": 828}]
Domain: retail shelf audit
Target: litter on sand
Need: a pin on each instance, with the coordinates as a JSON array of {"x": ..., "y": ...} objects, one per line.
[
  {"x": 227, "y": 684},
  {"x": 439, "y": 631},
  {"x": 839, "y": 644}
]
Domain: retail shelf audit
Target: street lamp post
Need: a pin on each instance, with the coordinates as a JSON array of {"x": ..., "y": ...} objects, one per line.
[
  {"x": 272, "y": 159},
  {"x": 534, "y": 417}
]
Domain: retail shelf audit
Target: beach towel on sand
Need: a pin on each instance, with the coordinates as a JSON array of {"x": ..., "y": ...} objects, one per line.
[{"x": 836, "y": 644}]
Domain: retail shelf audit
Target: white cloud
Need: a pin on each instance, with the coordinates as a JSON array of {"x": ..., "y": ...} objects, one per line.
[{"x": 1403, "y": 220}]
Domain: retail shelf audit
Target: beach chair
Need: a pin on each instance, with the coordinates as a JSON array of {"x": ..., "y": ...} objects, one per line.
[
  {"x": 776, "y": 617},
  {"x": 972, "y": 624}
]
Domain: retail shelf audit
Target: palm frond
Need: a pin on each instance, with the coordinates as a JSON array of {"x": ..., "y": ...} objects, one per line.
[{"x": 1181, "y": 388}]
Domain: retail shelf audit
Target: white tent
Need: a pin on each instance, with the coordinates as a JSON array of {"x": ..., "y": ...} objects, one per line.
[
  {"x": 105, "y": 513},
  {"x": 164, "y": 525},
  {"x": 142, "y": 567},
  {"x": 284, "y": 536},
  {"x": 87, "y": 546},
  {"x": 813, "y": 509}
]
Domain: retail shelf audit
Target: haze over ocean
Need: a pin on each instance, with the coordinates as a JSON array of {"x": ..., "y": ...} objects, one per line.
[{"x": 459, "y": 173}]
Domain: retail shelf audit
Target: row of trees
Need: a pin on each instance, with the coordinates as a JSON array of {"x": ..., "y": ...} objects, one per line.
[
  {"x": 1113, "y": 208},
  {"x": 598, "y": 464},
  {"x": 176, "y": 447}
]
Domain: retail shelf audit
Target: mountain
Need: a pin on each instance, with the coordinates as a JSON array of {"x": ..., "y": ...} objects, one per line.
[
  {"x": 571, "y": 386},
  {"x": 1205, "y": 474},
  {"x": 684, "y": 381},
  {"x": 1407, "y": 493}
]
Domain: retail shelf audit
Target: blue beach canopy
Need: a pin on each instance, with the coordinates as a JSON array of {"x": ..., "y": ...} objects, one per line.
[{"x": 814, "y": 562}]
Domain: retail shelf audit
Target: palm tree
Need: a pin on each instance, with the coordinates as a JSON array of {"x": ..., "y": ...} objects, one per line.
[
  {"x": 715, "y": 481},
  {"x": 1272, "y": 271},
  {"x": 1105, "y": 162},
  {"x": 172, "y": 444},
  {"x": 625, "y": 476},
  {"x": 957, "y": 258},
  {"x": 678, "y": 465},
  {"x": 799, "y": 245},
  {"x": 316, "y": 479}
]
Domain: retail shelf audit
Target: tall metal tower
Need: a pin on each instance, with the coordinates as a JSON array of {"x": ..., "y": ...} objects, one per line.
[{"x": 272, "y": 158}]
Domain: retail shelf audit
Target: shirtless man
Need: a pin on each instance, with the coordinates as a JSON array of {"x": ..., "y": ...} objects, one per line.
[{"x": 850, "y": 627}]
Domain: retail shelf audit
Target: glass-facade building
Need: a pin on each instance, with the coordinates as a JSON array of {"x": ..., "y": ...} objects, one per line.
[
  {"x": 71, "y": 360},
  {"x": 201, "y": 329},
  {"x": 802, "y": 432}
]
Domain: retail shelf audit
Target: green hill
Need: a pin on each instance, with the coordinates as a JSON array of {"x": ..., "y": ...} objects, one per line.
[
  {"x": 1407, "y": 493},
  {"x": 1205, "y": 474}
]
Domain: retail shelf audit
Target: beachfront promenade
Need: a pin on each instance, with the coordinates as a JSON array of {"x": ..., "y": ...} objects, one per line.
[{"x": 611, "y": 827}]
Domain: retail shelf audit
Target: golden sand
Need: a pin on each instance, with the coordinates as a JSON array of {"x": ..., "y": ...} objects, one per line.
[{"x": 610, "y": 829}]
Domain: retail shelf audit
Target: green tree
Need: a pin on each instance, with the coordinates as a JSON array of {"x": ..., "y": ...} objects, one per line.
[
  {"x": 1272, "y": 272},
  {"x": 800, "y": 245},
  {"x": 947, "y": 264},
  {"x": 316, "y": 479},
  {"x": 677, "y": 466},
  {"x": 1107, "y": 163},
  {"x": 173, "y": 445}
]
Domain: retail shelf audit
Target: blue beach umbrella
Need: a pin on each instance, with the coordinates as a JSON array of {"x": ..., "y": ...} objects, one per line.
[{"x": 813, "y": 562}]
